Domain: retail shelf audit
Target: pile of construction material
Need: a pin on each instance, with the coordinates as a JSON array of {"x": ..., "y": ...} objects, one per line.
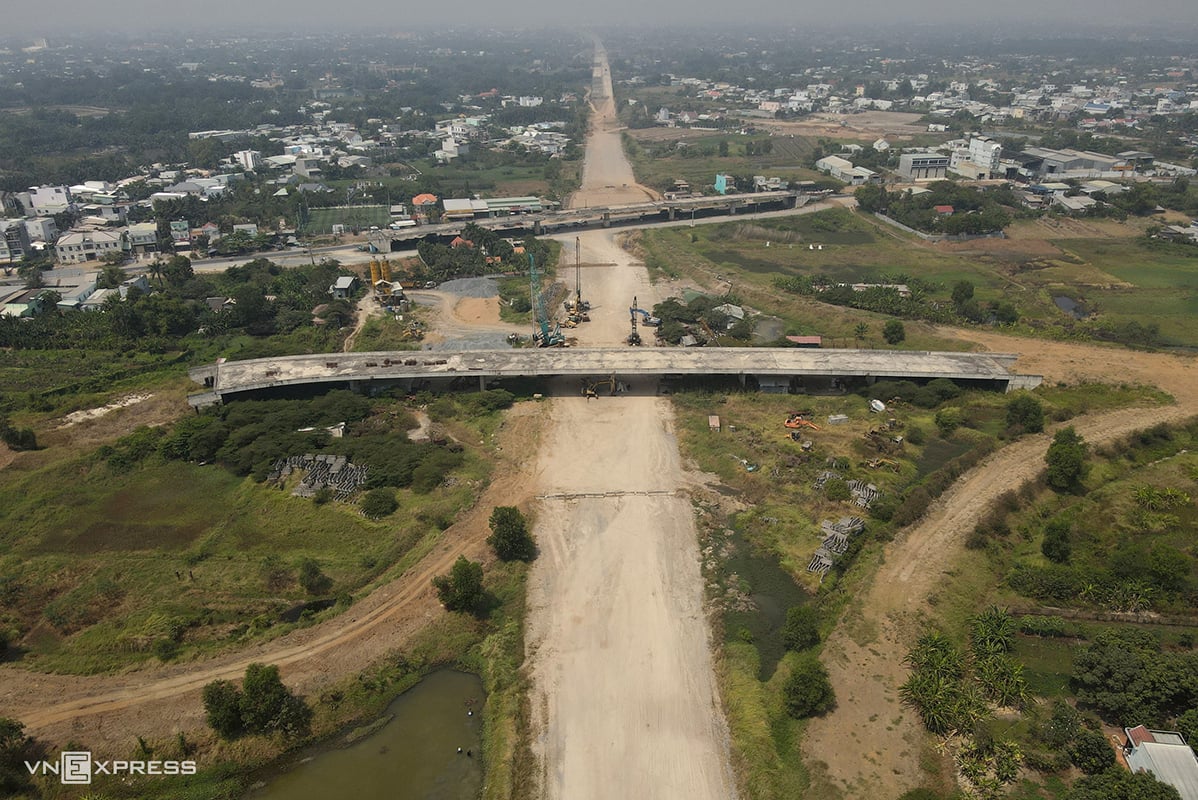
[
  {"x": 320, "y": 472},
  {"x": 837, "y": 536},
  {"x": 864, "y": 494}
]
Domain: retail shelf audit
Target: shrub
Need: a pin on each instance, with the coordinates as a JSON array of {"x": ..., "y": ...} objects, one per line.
[
  {"x": 312, "y": 578},
  {"x": 1067, "y": 459},
  {"x": 222, "y": 705},
  {"x": 807, "y": 692},
  {"x": 1024, "y": 411},
  {"x": 509, "y": 535},
  {"x": 801, "y": 629},
  {"x": 462, "y": 588},
  {"x": 267, "y": 706},
  {"x": 916, "y": 435},
  {"x": 893, "y": 332},
  {"x": 948, "y": 420},
  {"x": 1091, "y": 752},
  {"x": 1056, "y": 546},
  {"x": 837, "y": 489},
  {"x": 379, "y": 503}
]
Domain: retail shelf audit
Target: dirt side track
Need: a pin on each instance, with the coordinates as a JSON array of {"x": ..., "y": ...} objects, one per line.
[
  {"x": 107, "y": 711},
  {"x": 870, "y": 745}
]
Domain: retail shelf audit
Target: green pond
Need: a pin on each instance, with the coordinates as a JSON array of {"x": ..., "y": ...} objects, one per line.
[{"x": 413, "y": 756}]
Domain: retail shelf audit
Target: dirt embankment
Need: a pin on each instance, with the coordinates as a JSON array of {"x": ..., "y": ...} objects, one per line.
[{"x": 870, "y": 745}]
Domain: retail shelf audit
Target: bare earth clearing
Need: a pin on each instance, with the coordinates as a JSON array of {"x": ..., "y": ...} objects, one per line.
[
  {"x": 624, "y": 697},
  {"x": 623, "y": 689},
  {"x": 870, "y": 745}
]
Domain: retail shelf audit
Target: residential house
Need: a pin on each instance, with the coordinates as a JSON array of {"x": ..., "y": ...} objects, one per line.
[
  {"x": 1164, "y": 755},
  {"x": 46, "y": 201},
  {"x": 843, "y": 170},
  {"x": 41, "y": 229},
  {"x": 143, "y": 237},
  {"x": 75, "y": 247}
]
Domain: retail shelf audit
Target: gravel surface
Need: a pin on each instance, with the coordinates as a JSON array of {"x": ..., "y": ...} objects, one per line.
[{"x": 471, "y": 287}]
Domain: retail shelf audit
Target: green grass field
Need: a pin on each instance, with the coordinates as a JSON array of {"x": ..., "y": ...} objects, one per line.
[
  {"x": 322, "y": 220},
  {"x": 98, "y": 565},
  {"x": 1117, "y": 275},
  {"x": 788, "y": 159}
]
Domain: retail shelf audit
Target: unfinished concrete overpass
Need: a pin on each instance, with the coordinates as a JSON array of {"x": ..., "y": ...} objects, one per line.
[{"x": 779, "y": 369}]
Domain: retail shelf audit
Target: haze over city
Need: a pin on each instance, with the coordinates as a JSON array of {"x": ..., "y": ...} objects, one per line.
[{"x": 1018, "y": 15}]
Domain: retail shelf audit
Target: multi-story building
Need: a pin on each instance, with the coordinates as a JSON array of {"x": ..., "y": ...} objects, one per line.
[
  {"x": 45, "y": 201},
  {"x": 76, "y": 247},
  {"x": 14, "y": 240},
  {"x": 922, "y": 166}
]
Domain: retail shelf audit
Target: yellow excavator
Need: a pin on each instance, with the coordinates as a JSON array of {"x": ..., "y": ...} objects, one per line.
[{"x": 591, "y": 389}]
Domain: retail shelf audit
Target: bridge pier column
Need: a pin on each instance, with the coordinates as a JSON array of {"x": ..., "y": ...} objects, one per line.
[
  {"x": 482, "y": 383},
  {"x": 741, "y": 378},
  {"x": 672, "y": 213},
  {"x": 536, "y": 228},
  {"x": 607, "y": 219},
  {"x": 731, "y": 210}
]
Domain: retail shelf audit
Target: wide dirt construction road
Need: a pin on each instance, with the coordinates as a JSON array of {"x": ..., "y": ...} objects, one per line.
[{"x": 624, "y": 701}]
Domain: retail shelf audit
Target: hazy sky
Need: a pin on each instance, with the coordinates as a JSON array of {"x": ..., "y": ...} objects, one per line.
[{"x": 54, "y": 16}]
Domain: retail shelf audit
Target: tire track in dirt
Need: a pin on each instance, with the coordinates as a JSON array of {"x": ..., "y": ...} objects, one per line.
[{"x": 870, "y": 745}]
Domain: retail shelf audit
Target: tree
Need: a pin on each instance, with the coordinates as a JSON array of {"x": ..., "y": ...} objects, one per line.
[
  {"x": 111, "y": 276},
  {"x": 1056, "y": 546},
  {"x": 1119, "y": 784},
  {"x": 312, "y": 578},
  {"x": 962, "y": 293},
  {"x": 113, "y": 258},
  {"x": 379, "y": 503},
  {"x": 177, "y": 270},
  {"x": 860, "y": 331},
  {"x": 462, "y": 588},
  {"x": 801, "y": 629},
  {"x": 1025, "y": 411},
  {"x": 267, "y": 706},
  {"x": 1066, "y": 458},
  {"x": 894, "y": 332},
  {"x": 1091, "y": 752},
  {"x": 509, "y": 535},
  {"x": 222, "y": 704},
  {"x": 14, "y": 750},
  {"x": 807, "y": 692}
]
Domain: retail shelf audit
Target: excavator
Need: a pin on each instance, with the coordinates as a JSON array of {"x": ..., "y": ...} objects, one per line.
[
  {"x": 591, "y": 388},
  {"x": 647, "y": 319},
  {"x": 799, "y": 419}
]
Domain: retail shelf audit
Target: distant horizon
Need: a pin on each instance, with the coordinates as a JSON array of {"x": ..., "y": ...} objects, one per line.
[{"x": 225, "y": 17}]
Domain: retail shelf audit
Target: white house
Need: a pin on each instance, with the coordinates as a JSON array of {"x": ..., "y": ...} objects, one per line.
[
  {"x": 75, "y": 247},
  {"x": 45, "y": 201}
]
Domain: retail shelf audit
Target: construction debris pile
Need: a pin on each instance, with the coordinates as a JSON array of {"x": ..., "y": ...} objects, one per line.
[
  {"x": 322, "y": 471},
  {"x": 836, "y": 542}
]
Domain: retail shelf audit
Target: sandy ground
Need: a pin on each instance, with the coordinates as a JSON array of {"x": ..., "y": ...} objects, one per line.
[
  {"x": 75, "y": 417},
  {"x": 622, "y": 683},
  {"x": 624, "y": 697},
  {"x": 870, "y": 745},
  {"x": 607, "y": 177}
]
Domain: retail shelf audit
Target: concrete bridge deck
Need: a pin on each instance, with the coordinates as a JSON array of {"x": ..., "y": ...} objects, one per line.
[{"x": 226, "y": 379}]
